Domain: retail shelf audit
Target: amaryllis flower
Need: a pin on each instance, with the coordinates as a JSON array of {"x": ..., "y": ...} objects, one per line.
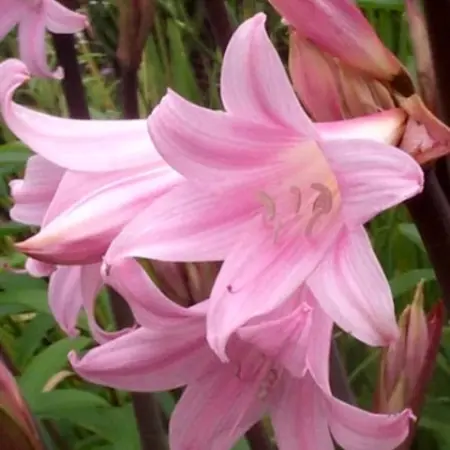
[
  {"x": 278, "y": 366},
  {"x": 96, "y": 202},
  {"x": 281, "y": 199},
  {"x": 33, "y": 18}
]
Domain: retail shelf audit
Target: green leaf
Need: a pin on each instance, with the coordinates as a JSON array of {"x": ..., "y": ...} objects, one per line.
[
  {"x": 31, "y": 299},
  {"x": 407, "y": 281},
  {"x": 12, "y": 228},
  {"x": 14, "y": 152},
  {"x": 46, "y": 364},
  {"x": 409, "y": 230},
  {"x": 50, "y": 404}
]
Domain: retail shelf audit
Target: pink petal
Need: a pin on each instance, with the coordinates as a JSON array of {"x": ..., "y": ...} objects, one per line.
[
  {"x": 187, "y": 224},
  {"x": 85, "y": 145},
  {"x": 59, "y": 19},
  {"x": 38, "y": 269},
  {"x": 283, "y": 335},
  {"x": 254, "y": 84},
  {"x": 372, "y": 177},
  {"x": 149, "y": 305},
  {"x": 83, "y": 232},
  {"x": 212, "y": 146},
  {"x": 351, "y": 287},
  {"x": 32, "y": 44},
  {"x": 215, "y": 411},
  {"x": 356, "y": 429},
  {"x": 12, "y": 12},
  {"x": 258, "y": 275},
  {"x": 33, "y": 194},
  {"x": 340, "y": 28},
  {"x": 315, "y": 78},
  {"x": 148, "y": 359},
  {"x": 298, "y": 417}
]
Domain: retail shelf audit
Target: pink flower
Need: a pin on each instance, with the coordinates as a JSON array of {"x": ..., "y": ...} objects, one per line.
[
  {"x": 34, "y": 17},
  {"x": 81, "y": 202},
  {"x": 339, "y": 28},
  {"x": 112, "y": 173},
  {"x": 282, "y": 200},
  {"x": 273, "y": 370}
]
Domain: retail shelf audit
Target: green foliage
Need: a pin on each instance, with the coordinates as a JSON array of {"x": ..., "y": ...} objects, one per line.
[{"x": 179, "y": 56}]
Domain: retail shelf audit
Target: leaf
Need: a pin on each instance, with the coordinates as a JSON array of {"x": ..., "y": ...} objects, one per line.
[
  {"x": 14, "y": 153},
  {"x": 409, "y": 230},
  {"x": 404, "y": 282},
  {"x": 12, "y": 228},
  {"x": 32, "y": 299},
  {"x": 51, "y": 404},
  {"x": 44, "y": 365}
]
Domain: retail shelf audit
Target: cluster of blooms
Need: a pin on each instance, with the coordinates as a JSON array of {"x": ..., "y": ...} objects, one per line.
[{"x": 279, "y": 198}]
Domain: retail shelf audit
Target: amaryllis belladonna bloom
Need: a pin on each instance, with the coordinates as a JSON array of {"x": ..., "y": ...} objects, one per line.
[
  {"x": 34, "y": 17},
  {"x": 281, "y": 199},
  {"x": 96, "y": 193},
  {"x": 278, "y": 366}
]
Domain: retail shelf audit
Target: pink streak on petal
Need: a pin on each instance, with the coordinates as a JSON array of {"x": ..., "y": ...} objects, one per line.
[
  {"x": 356, "y": 429},
  {"x": 12, "y": 12},
  {"x": 212, "y": 145},
  {"x": 153, "y": 359},
  {"x": 59, "y": 19},
  {"x": 187, "y": 224},
  {"x": 372, "y": 177},
  {"x": 32, "y": 44},
  {"x": 254, "y": 84},
  {"x": 298, "y": 417},
  {"x": 219, "y": 409},
  {"x": 84, "y": 145},
  {"x": 83, "y": 232},
  {"x": 351, "y": 287},
  {"x": 258, "y": 275},
  {"x": 33, "y": 194}
]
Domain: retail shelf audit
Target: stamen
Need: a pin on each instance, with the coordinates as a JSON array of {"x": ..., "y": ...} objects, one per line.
[
  {"x": 324, "y": 201},
  {"x": 269, "y": 205},
  {"x": 296, "y": 191}
]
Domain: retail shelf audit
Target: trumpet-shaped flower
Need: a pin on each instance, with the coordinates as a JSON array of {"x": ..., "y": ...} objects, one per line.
[
  {"x": 273, "y": 370},
  {"x": 282, "y": 200},
  {"x": 112, "y": 171},
  {"x": 34, "y": 17}
]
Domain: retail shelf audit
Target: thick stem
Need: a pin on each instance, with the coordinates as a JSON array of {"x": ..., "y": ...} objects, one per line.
[
  {"x": 340, "y": 385},
  {"x": 257, "y": 438},
  {"x": 219, "y": 21},
  {"x": 437, "y": 16},
  {"x": 130, "y": 89},
  {"x": 431, "y": 214},
  {"x": 146, "y": 408},
  {"x": 72, "y": 82}
]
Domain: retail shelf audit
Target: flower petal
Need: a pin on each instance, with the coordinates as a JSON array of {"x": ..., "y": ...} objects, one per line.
[
  {"x": 356, "y": 429},
  {"x": 284, "y": 333},
  {"x": 83, "y": 232},
  {"x": 149, "y": 305},
  {"x": 85, "y": 145},
  {"x": 258, "y": 275},
  {"x": 219, "y": 408},
  {"x": 148, "y": 359},
  {"x": 372, "y": 177},
  {"x": 352, "y": 289},
  {"x": 33, "y": 194},
  {"x": 12, "y": 12},
  {"x": 59, "y": 19},
  {"x": 187, "y": 224},
  {"x": 38, "y": 269},
  {"x": 254, "y": 84},
  {"x": 212, "y": 146},
  {"x": 32, "y": 44},
  {"x": 340, "y": 28},
  {"x": 298, "y": 416}
]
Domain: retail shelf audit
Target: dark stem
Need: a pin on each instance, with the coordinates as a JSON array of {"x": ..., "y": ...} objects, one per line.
[
  {"x": 72, "y": 82},
  {"x": 146, "y": 408},
  {"x": 129, "y": 91},
  {"x": 431, "y": 214},
  {"x": 219, "y": 21},
  {"x": 437, "y": 16},
  {"x": 340, "y": 385},
  {"x": 257, "y": 438}
]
